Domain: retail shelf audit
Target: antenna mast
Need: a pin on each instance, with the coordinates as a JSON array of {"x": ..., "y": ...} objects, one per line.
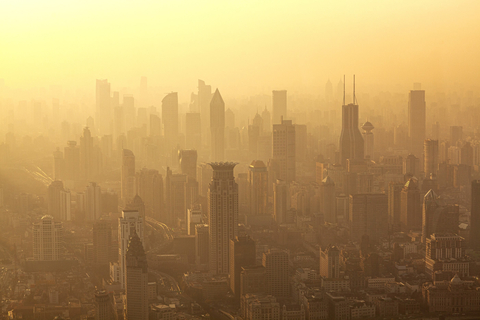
[{"x": 343, "y": 89}]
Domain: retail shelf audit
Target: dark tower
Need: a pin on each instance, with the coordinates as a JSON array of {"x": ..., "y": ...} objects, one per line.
[{"x": 475, "y": 216}]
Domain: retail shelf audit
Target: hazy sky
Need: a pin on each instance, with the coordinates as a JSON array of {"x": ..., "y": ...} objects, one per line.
[{"x": 241, "y": 45}]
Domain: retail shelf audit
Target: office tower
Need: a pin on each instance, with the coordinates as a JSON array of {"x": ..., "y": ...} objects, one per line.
[
  {"x": 204, "y": 176},
  {"x": 369, "y": 140},
  {"x": 284, "y": 149},
  {"x": 330, "y": 262},
  {"x": 104, "y": 306},
  {"x": 351, "y": 140},
  {"x": 204, "y": 98},
  {"x": 58, "y": 165},
  {"x": 411, "y": 166},
  {"x": 102, "y": 244},
  {"x": 446, "y": 251},
  {"x": 48, "y": 240},
  {"x": 242, "y": 254},
  {"x": 436, "y": 131},
  {"x": 188, "y": 162},
  {"x": 103, "y": 105},
  {"x": 275, "y": 262},
  {"x": 175, "y": 197},
  {"x": 456, "y": 134},
  {"x": 129, "y": 223},
  {"x": 194, "y": 218},
  {"x": 149, "y": 186},
  {"x": 431, "y": 157},
  {"x": 257, "y": 188},
  {"x": 136, "y": 280},
  {"x": 58, "y": 201},
  {"x": 217, "y": 127},
  {"x": 416, "y": 121},
  {"x": 170, "y": 120},
  {"x": 394, "y": 205},
  {"x": 222, "y": 215},
  {"x": 201, "y": 244},
  {"x": 279, "y": 106},
  {"x": 128, "y": 176},
  {"x": 327, "y": 198},
  {"x": 252, "y": 279},
  {"x": 72, "y": 161},
  {"x": 88, "y": 165},
  {"x": 93, "y": 194},
  {"x": 368, "y": 216},
  {"x": 267, "y": 120},
  {"x": 411, "y": 207},
  {"x": 438, "y": 217},
  {"x": 193, "y": 131},
  {"x": 280, "y": 194},
  {"x": 466, "y": 154},
  {"x": 474, "y": 235}
]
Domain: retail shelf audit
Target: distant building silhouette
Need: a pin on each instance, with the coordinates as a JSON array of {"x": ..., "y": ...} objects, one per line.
[
  {"x": 217, "y": 127},
  {"x": 275, "y": 262},
  {"x": 284, "y": 150},
  {"x": 416, "y": 121},
  {"x": 257, "y": 188},
  {"x": 128, "y": 176},
  {"x": 170, "y": 120},
  {"x": 242, "y": 254},
  {"x": 474, "y": 238},
  {"x": 279, "y": 106},
  {"x": 48, "y": 240}
]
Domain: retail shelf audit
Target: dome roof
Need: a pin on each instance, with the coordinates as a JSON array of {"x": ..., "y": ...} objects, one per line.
[
  {"x": 257, "y": 164},
  {"x": 137, "y": 199},
  {"x": 367, "y": 126}
]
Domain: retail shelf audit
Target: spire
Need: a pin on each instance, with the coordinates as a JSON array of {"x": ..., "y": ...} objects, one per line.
[{"x": 217, "y": 97}]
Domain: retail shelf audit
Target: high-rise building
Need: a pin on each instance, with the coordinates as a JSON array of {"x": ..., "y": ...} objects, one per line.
[
  {"x": 193, "y": 131},
  {"x": 284, "y": 149},
  {"x": 128, "y": 176},
  {"x": 93, "y": 195},
  {"x": 188, "y": 162},
  {"x": 394, "y": 205},
  {"x": 48, "y": 240},
  {"x": 411, "y": 166},
  {"x": 267, "y": 120},
  {"x": 280, "y": 201},
  {"x": 279, "y": 106},
  {"x": 129, "y": 223},
  {"x": 175, "y": 197},
  {"x": 104, "y": 306},
  {"x": 136, "y": 280},
  {"x": 72, "y": 161},
  {"x": 204, "y": 98},
  {"x": 149, "y": 186},
  {"x": 368, "y": 216},
  {"x": 242, "y": 254},
  {"x": 369, "y": 140},
  {"x": 222, "y": 215},
  {"x": 257, "y": 188},
  {"x": 330, "y": 262},
  {"x": 301, "y": 137},
  {"x": 58, "y": 165},
  {"x": 204, "y": 176},
  {"x": 89, "y": 156},
  {"x": 276, "y": 269},
  {"x": 102, "y": 244},
  {"x": 170, "y": 120},
  {"x": 58, "y": 201},
  {"x": 438, "y": 217},
  {"x": 103, "y": 104},
  {"x": 416, "y": 121},
  {"x": 328, "y": 200},
  {"x": 456, "y": 134},
  {"x": 411, "y": 206},
  {"x": 351, "y": 140},
  {"x": 217, "y": 127},
  {"x": 474, "y": 237},
  {"x": 201, "y": 244},
  {"x": 431, "y": 157},
  {"x": 252, "y": 279},
  {"x": 446, "y": 251}
]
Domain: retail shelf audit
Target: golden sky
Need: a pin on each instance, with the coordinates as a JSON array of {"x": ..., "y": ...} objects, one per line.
[{"x": 239, "y": 44}]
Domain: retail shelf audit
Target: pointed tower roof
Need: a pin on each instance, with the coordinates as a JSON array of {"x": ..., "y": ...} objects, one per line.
[
  {"x": 328, "y": 181},
  {"x": 217, "y": 98},
  {"x": 135, "y": 247},
  {"x": 431, "y": 195},
  {"x": 137, "y": 199},
  {"x": 411, "y": 184},
  {"x": 456, "y": 280}
]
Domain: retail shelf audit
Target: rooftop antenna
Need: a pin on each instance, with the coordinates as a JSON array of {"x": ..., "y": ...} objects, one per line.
[
  {"x": 353, "y": 89},
  {"x": 343, "y": 89}
]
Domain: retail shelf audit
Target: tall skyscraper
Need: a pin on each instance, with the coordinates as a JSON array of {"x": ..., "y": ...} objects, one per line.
[
  {"x": 394, "y": 205},
  {"x": 217, "y": 127},
  {"x": 411, "y": 166},
  {"x": 330, "y": 262},
  {"x": 59, "y": 201},
  {"x": 48, "y": 240},
  {"x": 103, "y": 105},
  {"x": 416, "y": 121},
  {"x": 89, "y": 156},
  {"x": 201, "y": 245},
  {"x": 204, "y": 98},
  {"x": 136, "y": 280},
  {"x": 284, "y": 149},
  {"x": 474, "y": 237},
  {"x": 129, "y": 223},
  {"x": 104, "y": 306},
  {"x": 267, "y": 120},
  {"x": 72, "y": 161},
  {"x": 431, "y": 157},
  {"x": 170, "y": 120},
  {"x": 351, "y": 140},
  {"x": 279, "y": 106},
  {"x": 188, "y": 162},
  {"x": 222, "y": 215},
  {"x": 328, "y": 200},
  {"x": 149, "y": 186},
  {"x": 438, "y": 217},
  {"x": 368, "y": 216},
  {"x": 411, "y": 206},
  {"x": 280, "y": 201},
  {"x": 242, "y": 254},
  {"x": 257, "y": 188},
  {"x": 193, "y": 131},
  {"x": 368, "y": 139},
  {"x": 275, "y": 262},
  {"x": 93, "y": 195},
  {"x": 102, "y": 244},
  {"x": 128, "y": 176}
]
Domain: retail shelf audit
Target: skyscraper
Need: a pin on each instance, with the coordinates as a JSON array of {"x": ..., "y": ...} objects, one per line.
[
  {"x": 416, "y": 121},
  {"x": 89, "y": 156},
  {"x": 201, "y": 244},
  {"x": 149, "y": 186},
  {"x": 280, "y": 197},
  {"x": 72, "y": 161},
  {"x": 188, "y": 162},
  {"x": 474, "y": 238},
  {"x": 275, "y": 262},
  {"x": 48, "y": 239},
  {"x": 411, "y": 207},
  {"x": 284, "y": 149},
  {"x": 102, "y": 244},
  {"x": 369, "y": 140},
  {"x": 58, "y": 201},
  {"x": 279, "y": 106},
  {"x": 217, "y": 127},
  {"x": 104, "y": 306},
  {"x": 438, "y": 217},
  {"x": 128, "y": 176},
  {"x": 327, "y": 200},
  {"x": 368, "y": 216},
  {"x": 129, "y": 223},
  {"x": 170, "y": 120},
  {"x": 93, "y": 195},
  {"x": 136, "y": 280},
  {"x": 257, "y": 188},
  {"x": 394, "y": 205},
  {"x": 431, "y": 157},
  {"x": 242, "y": 254},
  {"x": 330, "y": 262},
  {"x": 204, "y": 98},
  {"x": 103, "y": 105},
  {"x": 222, "y": 215}
]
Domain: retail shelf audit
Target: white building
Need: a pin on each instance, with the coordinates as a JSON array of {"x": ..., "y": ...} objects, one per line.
[{"x": 47, "y": 240}]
